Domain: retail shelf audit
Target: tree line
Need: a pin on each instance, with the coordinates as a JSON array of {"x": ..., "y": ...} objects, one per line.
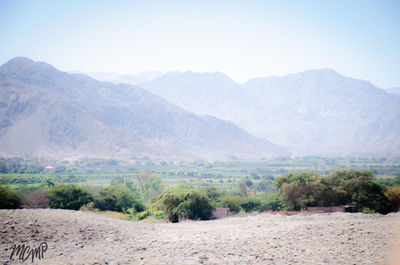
[{"x": 357, "y": 189}]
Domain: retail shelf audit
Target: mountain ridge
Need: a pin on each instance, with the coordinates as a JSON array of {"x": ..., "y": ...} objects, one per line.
[
  {"x": 49, "y": 112},
  {"x": 394, "y": 90},
  {"x": 315, "y": 112}
]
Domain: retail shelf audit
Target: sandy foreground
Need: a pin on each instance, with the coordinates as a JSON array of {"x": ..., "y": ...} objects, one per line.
[{"x": 75, "y": 237}]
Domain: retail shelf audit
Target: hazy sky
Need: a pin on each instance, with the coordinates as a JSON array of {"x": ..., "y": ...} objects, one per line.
[{"x": 243, "y": 39}]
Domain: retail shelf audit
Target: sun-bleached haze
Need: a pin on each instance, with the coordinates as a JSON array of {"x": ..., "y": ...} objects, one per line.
[{"x": 243, "y": 39}]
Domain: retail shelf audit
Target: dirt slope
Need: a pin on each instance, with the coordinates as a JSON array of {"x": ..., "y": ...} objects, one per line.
[{"x": 75, "y": 237}]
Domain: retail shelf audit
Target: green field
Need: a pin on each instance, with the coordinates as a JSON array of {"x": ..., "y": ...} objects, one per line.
[{"x": 23, "y": 174}]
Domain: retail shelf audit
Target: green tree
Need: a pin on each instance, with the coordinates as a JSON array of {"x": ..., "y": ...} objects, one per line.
[
  {"x": 250, "y": 204},
  {"x": 231, "y": 202},
  {"x": 357, "y": 188},
  {"x": 130, "y": 185},
  {"x": 117, "y": 198},
  {"x": 68, "y": 196},
  {"x": 393, "y": 195},
  {"x": 244, "y": 188},
  {"x": 298, "y": 189},
  {"x": 186, "y": 203},
  {"x": 272, "y": 202},
  {"x": 265, "y": 185},
  {"x": 149, "y": 184},
  {"x": 9, "y": 199}
]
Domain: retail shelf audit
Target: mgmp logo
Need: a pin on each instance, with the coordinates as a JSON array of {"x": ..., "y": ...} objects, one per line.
[{"x": 23, "y": 252}]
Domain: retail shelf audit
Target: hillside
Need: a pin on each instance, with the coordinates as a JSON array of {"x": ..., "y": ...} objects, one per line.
[
  {"x": 317, "y": 112},
  {"x": 115, "y": 78},
  {"x": 48, "y": 113},
  {"x": 394, "y": 90}
]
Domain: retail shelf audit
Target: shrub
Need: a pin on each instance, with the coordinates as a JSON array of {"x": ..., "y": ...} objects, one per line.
[
  {"x": 370, "y": 195},
  {"x": 367, "y": 210},
  {"x": 142, "y": 215},
  {"x": 120, "y": 199},
  {"x": 149, "y": 185},
  {"x": 393, "y": 195},
  {"x": 89, "y": 207},
  {"x": 68, "y": 196},
  {"x": 186, "y": 203},
  {"x": 9, "y": 199},
  {"x": 250, "y": 204},
  {"x": 298, "y": 189},
  {"x": 159, "y": 215},
  {"x": 231, "y": 202},
  {"x": 272, "y": 202}
]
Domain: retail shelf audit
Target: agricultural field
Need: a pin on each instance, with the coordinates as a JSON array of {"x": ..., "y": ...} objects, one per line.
[{"x": 26, "y": 174}]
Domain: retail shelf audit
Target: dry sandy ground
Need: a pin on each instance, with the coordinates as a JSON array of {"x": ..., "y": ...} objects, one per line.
[{"x": 75, "y": 237}]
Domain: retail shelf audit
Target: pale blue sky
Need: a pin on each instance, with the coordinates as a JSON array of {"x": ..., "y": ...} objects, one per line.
[{"x": 243, "y": 39}]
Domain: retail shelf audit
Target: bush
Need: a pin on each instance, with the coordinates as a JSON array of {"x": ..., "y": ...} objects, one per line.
[
  {"x": 89, "y": 207},
  {"x": 370, "y": 195},
  {"x": 272, "y": 202},
  {"x": 159, "y": 215},
  {"x": 186, "y": 203},
  {"x": 250, "y": 204},
  {"x": 393, "y": 195},
  {"x": 68, "y": 196},
  {"x": 231, "y": 202},
  {"x": 142, "y": 215},
  {"x": 367, "y": 210},
  {"x": 298, "y": 189},
  {"x": 118, "y": 199},
  {"x": 9, "y": 199}
]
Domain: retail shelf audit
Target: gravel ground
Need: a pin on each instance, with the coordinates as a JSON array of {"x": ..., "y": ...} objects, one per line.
[{"x": 75, "y": 237}]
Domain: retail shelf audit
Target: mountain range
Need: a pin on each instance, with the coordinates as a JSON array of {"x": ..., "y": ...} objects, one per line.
[
  {"x": 48, "y": 113},
  {"x": 316, "y": 112},
  {"x": 116, "y": 78},
  {"x": 189, "y": 116},
  {"x": 393, "y": 90}
]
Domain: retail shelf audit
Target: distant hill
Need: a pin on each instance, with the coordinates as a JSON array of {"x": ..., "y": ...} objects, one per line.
[
  {"x": 394, "y": 90},
  {"x": 115, "y": 78},
  {"x": 316, "y": 112},
  {"x": 48, "y": 113}
]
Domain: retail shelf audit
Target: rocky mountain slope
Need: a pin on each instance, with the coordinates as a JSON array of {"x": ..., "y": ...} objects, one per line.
[
  {"x": 318, "y": 112},
  {"x": 115, "y": 78},
  {"x": 394, "y": 90},
  {"x": 48, "y": 113}
]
